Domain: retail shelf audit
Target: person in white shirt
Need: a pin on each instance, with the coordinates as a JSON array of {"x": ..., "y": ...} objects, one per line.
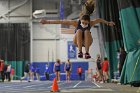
[{"x": 8, "y": 72}]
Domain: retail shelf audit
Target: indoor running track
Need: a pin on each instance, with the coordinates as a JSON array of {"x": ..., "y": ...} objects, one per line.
[{"x": 45, "y": 86}]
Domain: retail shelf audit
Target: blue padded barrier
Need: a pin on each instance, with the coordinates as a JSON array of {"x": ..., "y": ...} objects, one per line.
[{"x": 74, "y": 75}]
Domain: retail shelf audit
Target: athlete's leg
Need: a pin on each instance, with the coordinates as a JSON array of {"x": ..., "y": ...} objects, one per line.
[
  {"x": 68, "y": 75},
  {"x": 37, "y": 76},
  {"x": 78, "y": 40},
  {"x": 56, "y": 72},
  {"x": 80, "y": 75},
  {"x": 29, "y": 76},
  {"x": 25, "y": 76},
  {"x": 32, "y": 75},
  {"x": 58, "y": 75},
  {"x": 87, "y": 42}
]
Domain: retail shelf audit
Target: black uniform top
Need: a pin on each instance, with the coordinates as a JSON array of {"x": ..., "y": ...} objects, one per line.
[
  {"x": 81, "y": 28},
  {"x": 122, "y": 58},
  {"x": 99, "y": 64},
  {"x": 27, "y": 68}
]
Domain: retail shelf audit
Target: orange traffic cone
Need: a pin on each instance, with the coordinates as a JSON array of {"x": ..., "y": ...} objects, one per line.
[{"x": 55, "y": 86}]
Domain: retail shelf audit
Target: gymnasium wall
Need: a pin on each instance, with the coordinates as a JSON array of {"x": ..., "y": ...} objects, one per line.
[{"x": 45, "y": 42}]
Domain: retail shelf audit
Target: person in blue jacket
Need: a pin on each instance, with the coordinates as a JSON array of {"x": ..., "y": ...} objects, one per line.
[{"x": 47, "y": 72}]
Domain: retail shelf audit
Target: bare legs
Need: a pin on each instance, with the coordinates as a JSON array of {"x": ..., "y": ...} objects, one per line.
[
  {"x": 57, "y": 75},
  {"x": 79, "y": 41},
  {"x": 68, "y": 76},
  {"x": 32, "y": 75},
  {"x": 88, "y": 40}
]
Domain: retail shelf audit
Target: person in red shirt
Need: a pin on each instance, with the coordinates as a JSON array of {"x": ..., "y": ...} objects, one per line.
[
  {"x": 2, "y": 70},
  {"x": 79, "y": 72},
  {"x": 105, "y": 68},
  {"x": 12, "y": 72},
  {"x": 0, "y": 65}
]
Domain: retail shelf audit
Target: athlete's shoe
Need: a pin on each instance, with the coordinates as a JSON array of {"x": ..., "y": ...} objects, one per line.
[
  {"x": 87, "y": 56},
  {"x": 80, "y": 55}
]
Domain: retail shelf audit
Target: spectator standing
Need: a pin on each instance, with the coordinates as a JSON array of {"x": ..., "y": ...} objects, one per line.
[
  {"x": 67, "y": 69},
  {"x": 99, "y": 68},
  {"x": 26, "y": 72},
  {"x": 122, "y": 59},
  {"x": 47, "y": 72},
  {"x": 2, "y": 70},
  {"x": 79, "y": 72},
  {"x": 12, "y": 72},
  {"x": 105, "y": 68},
  {"x": 8, "y": 72},
  {"x": 57, "y": 69},
  {"x": 5, "y": 71}
]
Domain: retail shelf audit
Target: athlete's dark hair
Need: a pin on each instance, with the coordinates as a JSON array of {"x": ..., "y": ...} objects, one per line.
[
  {"x": 85, "y": 17},
  {"x": 58, "y": 60},
  {"x": 105, "y": 58},
  {"x": 68, "y": 60}
]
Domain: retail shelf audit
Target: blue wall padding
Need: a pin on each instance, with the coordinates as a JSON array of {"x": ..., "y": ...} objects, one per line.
[{"x": 74, "y": 75}]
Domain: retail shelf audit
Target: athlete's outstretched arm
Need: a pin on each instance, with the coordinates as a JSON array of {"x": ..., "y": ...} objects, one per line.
[
  {"x": 99, "y": 20},
  {"x": 65, "y": 22}
]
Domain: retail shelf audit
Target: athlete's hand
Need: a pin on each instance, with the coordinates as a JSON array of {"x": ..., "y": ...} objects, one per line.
[
  {"x": 43, "y": 21},
  {"x": 111, "y": 23}
]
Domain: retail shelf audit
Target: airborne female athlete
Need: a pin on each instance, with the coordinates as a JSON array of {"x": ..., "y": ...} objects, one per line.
[{"x": 83, "y": 37}]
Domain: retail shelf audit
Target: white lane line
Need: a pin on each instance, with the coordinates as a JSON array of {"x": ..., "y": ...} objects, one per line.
[
  {"x": 19, "y": 84},
  {"x": 16, "y": 85},
  {"x": 33, "y": 85},
  {"x": 96, "y": 84},
  {"x": 85, "y": 90},
  {"x": 36, "y": 84},
  {"x": 77, "y": 84}
]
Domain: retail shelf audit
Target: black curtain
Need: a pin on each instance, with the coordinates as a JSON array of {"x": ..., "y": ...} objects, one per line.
[
  {"x": 108, "y": 10},
  {"x": 15, "y": 41}
]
